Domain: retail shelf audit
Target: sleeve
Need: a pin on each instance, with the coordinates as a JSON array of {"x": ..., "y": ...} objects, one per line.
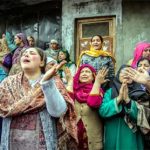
[
  {"x": 94, "y": 101},
  {"x": 109, "y": 106},
  {"x": 111, "y": 69},
  {"x": 55, "y": 103},
  {"x": 132, "y": 111}
]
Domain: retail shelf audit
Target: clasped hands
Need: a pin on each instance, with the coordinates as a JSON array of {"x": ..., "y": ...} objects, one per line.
[{"x": 123, "y": 94}]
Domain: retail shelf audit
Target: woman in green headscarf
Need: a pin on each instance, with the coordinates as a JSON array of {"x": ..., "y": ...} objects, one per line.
[{"x": 64, "y": 55}]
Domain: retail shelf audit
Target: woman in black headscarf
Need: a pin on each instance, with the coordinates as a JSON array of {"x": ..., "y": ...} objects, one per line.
[{"x": 120, "y": 112}]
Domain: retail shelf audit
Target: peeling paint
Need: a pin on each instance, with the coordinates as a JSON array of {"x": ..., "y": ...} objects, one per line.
[{"x": 88, "y": 8}]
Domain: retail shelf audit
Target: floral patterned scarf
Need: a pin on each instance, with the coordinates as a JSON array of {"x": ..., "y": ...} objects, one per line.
[{"x": 17, "y": 97}]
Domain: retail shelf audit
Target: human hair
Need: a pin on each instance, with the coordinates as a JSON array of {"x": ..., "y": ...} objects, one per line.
[
  {"x": 98, "y": 36},
  {"x": 142, "y": 59},
  {"x": 66, "y": 54},
  {"x": 42, "y": 55},
  {"x": 30, "y": 36}
]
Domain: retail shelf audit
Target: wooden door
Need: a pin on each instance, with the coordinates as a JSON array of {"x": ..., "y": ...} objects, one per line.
[{"x": 87, "y": 28}]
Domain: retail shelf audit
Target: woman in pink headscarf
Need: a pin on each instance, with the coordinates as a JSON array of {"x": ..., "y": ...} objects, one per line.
[
  {"x": 142, "y": 49},
  {"x": 85, "y": 90}
]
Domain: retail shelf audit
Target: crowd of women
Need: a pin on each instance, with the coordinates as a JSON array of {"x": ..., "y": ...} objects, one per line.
[{"x": 48, "y": 102}]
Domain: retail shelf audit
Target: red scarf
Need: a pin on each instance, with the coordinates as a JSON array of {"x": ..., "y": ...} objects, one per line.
[{"x": 82, "y": 90}]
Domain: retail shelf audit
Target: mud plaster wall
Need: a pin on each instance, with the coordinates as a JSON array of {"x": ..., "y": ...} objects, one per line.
[
  {"x": 136, "y": 25},
  {"x": 72, "y": 9}
]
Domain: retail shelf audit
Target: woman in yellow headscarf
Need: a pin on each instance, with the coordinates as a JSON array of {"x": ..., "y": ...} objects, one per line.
[{"x": 98, "y": 58}]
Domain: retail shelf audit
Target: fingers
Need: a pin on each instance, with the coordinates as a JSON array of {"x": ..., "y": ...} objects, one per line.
[
  {"x": 106, "y": 80},
  {"x": 67, "y": 71},
  {"x": 103, "y": 71},
  {"x": 129, "y": 72},
  {"x": 122, "y": 89}
]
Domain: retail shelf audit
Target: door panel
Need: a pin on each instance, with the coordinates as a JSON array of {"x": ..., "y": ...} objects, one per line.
[{"x": 86, "y": 28}]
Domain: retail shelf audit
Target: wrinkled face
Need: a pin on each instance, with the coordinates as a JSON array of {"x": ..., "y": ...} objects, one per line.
[
  {"x": 124, "y": 79},
  {"x": 31, "y": 42},
  {"x": 17, "y": 40},
  {"x": 61, "y": 56},
  {"x": 54, "y": 46},
  {"x": 144, "y": 64},
  {"x": 146, "y": 53},
  {"x": 31, "y": 60},
  {"x": 86, "y": 75},
  {"x": 96, "y": 43}
]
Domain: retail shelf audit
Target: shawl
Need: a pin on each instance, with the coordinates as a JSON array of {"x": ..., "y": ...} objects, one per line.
[
  {"x": 136, "y": 92},
  {"x": 143, "y": 118},
  {"x": 95, "y": 53},
  {"x": 16, "y": 55},
  {"x": 140, "y": 47},
  {"x": 17, "y": 97},
  {"x": 82, "y": 90}
]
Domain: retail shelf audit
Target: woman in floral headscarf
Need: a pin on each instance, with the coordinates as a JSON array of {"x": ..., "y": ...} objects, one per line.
[
  {"x": 142, "y": 49},
  {"x": 38, "y": 112}
]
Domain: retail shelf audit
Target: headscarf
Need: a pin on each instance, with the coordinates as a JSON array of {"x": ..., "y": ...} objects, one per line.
[
  {"x": 95, "y": 53},
  {"x": 24, "y": 38},
  {"x": 136, "y": 92},
  {"x": 16, "y": 55},
  {"x": 140, "y": 47},
  {"x": 82, "y": 90}
]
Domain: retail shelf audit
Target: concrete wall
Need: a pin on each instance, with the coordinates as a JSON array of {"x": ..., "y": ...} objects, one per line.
[
  {"x": 136, "y": 25},
  {"x": 72, "y": 9}
]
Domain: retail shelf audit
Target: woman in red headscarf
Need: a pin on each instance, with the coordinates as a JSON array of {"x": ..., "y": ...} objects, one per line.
[
  {"x": 142, "y": 50},
  {"x": 85, "y": 89}
]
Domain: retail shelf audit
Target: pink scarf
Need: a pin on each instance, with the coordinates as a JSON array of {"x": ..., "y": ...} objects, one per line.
[
  {"x": 140, "y": 47},
  {"x": 82, "y": 90}
]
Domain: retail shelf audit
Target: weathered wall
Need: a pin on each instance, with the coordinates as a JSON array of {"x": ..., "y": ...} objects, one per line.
[
  {"x": 42, "y": 21},
  {"x": 72, "y": 9},
  {"x": 136, "y": 25}
]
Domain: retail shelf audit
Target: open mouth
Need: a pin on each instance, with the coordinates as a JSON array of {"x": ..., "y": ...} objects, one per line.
[
  {"x": 96, "y": 45},
  {"x": 84, "y": 78},
  {"x": 26, "y": 60}
]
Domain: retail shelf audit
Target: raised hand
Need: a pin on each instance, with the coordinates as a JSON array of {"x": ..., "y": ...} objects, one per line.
[
  {"x": 126, "y": 93},
  {"x": 140, "y": 77},
  {"x": 68, "y": 75},
  {"x": 100, "y": 77},
  {"x": 52, "y": 71},
  {"x": 121, "y": 93}
]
